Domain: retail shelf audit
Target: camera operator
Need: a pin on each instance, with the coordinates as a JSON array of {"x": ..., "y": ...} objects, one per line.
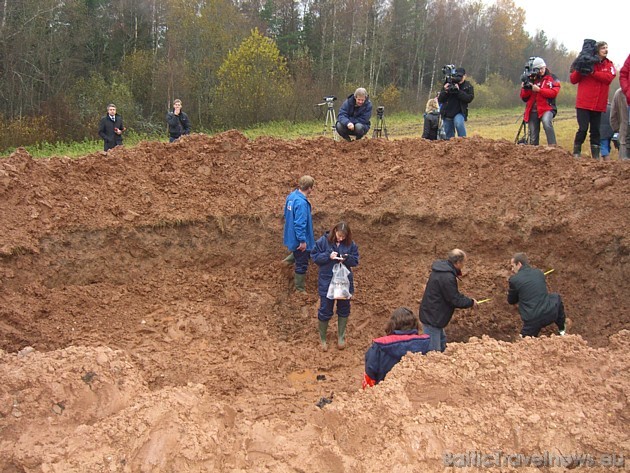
[
  {"x": 592, "y": 95},
  {"x": 539, "y": 90},
  {"x": 454, "y": 99},
  {"x": 354, "y": 115}
]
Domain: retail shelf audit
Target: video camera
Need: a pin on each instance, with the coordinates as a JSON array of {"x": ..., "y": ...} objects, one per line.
[
  {"x": 529, "y": 73},
  {"x": 328, "y": 100},
  {"x": 451, "y": 77},
  {"x": 588, "y": 57},
  {"x": 380, "y": 111}
]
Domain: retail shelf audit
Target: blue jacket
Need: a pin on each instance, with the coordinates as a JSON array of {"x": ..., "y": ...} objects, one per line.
[
  {"x": 349, "y": 112},
  {"x": 321, "y": 256},
  {"x": 386, "y": 351},
  {"x": 298, "y": 222}
]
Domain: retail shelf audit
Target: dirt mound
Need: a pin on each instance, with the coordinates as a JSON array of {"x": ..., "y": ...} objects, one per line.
[{"x": 148, "y": 282}]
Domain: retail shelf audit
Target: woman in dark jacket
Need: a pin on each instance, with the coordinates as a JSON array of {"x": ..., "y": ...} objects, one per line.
[
  {"x": 402, "y": 337},
  {"x": 336, "y": 246},
  {"x": 431, "y": 120}
]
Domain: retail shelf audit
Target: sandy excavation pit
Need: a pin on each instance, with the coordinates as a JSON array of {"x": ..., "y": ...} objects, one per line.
[{"x": 166, "y": 337}]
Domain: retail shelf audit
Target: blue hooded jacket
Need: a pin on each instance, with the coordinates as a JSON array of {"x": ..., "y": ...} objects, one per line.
[
  {"x": 321, "y": 256},
  {"x": 386, "y": 351},
  {"x": 298, "y": 222}
]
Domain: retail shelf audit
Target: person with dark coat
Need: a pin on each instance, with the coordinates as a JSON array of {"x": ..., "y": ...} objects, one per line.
[
  {"x": 591, "y": 99},
  {"x": 401, "y": 338},
  {"x": 431, "y": 120},
  {"x": 441, "y": 297},
  {"x": 454, "y": 98},
  {"x": 537, "y": 307},
  {"x": 333, "y": 247},
  {"x": 605, "y": 133},
  {"x": 540, "y": 98},
  {"x": 111, "y": 128},
  {"x": 178, "y": 122},
  {"x": 354, "y": 115}
]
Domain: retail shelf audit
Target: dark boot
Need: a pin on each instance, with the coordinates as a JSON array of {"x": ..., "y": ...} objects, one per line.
[
  {"x": 577, "y": 150},
  {"x": 342, "y": 322},
  {"x": 289, "y": 260},
  {"x": 299, "y": 282},
  {"x": 323, "y": 328},
  {"x": 595, "y": 151}
]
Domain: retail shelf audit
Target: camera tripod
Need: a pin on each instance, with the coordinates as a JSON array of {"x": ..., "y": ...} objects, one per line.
[
  {"x": 380, "y": 128},
  {"x": 330, "y": 125},
  {"x": 522, "y": 135}
]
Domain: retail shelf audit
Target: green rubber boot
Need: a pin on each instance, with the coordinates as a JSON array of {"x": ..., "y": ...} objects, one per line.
[
  {"x": 342, "y": 322},
  {"x": 577, "y": 150},
  {"x": 323, "y": 328},
  {"x": 299, "y": 282},
  {"x": 289, "y": 260}
]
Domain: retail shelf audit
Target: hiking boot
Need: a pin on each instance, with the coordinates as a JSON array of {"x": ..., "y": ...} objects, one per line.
[
  {"x": 562, "y": 333},
  {"x": 577, "y": 150}
]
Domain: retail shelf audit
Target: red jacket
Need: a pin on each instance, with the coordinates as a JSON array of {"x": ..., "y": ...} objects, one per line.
[
  {"x": 624, "y": 79},
  {"x": 545, "y": 98},
  {"x": 592, "y": 93}
]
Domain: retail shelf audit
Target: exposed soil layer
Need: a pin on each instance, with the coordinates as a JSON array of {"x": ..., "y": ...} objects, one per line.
[{"x": 166, "y": 336}]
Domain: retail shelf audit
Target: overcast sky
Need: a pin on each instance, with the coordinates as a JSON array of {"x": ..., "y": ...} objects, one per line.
[{"x": 570, "y": 22}]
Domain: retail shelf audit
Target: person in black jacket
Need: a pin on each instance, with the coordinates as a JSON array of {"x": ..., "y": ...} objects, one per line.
[
  {"x": 431, "y": 120},
  {"x": 111, "y": 128},
  {"x": 178, "y": 122},
  {"x": 528, "y": 289},
  {"x": 441, "y": 297},
  {"x": 454, "y": 99}
]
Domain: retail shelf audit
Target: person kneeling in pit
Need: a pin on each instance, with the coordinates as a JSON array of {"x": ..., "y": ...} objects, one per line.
[
  {"x": 538, "y": 307},
  {"x": 402, "y": 337}
]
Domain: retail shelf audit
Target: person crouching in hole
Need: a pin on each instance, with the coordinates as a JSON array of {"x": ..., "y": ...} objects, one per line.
[
  {"x": 333, "y": 247},
  {"x": 401, "y": 337}
]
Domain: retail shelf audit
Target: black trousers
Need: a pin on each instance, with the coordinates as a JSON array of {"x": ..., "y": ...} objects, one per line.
[
  {"x": 584, "y": 119},
  {"x": 531, "y": 328}
]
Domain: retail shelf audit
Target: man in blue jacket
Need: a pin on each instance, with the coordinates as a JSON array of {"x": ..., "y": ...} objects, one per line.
[
  {"x": 528, "y": 289},
  {"x": 441, "y": 297},
  {"x": 298, "y": 228},
  {"x": 354, "y": 115}
]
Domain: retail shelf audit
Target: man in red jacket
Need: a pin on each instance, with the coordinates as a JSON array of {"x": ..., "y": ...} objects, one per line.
[
  {"x": 624, "y": 82},
  {"x": 592, "y": 96},
  {"x": 539, "y": 92}
]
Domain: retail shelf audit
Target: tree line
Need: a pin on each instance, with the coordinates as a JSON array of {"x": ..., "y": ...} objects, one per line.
[{"x": 239, "y": 62}]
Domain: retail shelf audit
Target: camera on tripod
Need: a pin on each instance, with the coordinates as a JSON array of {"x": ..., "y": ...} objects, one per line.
[
  {"x": 380, "y": 111},
  {"x": 328, "y": 100},
  {"x": 451, "y": 77}
]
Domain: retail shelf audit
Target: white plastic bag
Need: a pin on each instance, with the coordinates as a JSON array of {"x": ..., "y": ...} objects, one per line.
[{"x": 339, "y": 287}]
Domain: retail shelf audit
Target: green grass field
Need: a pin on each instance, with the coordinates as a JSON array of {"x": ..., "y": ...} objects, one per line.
[{"x": 494, "y": 124}]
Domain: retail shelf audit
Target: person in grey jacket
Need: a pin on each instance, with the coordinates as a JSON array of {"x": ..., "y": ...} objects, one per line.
[{"x": 538, "y": 307}]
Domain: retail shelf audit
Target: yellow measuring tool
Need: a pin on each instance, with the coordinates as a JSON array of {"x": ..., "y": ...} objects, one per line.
[
  {"x": 483, "y": 300},
  {"x": 548, "y": 271}
]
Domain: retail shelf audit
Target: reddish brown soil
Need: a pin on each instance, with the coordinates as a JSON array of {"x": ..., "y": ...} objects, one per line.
[{"x": 167, "y": 338}]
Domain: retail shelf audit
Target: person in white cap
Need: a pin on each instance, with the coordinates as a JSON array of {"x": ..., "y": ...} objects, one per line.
[{"x": 539, "y": 92}]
